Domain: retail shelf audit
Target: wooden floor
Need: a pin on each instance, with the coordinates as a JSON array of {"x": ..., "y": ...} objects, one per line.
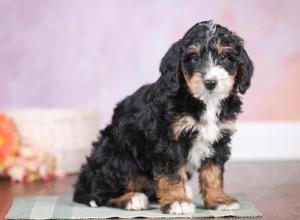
[{"x": 273, "y": 187}]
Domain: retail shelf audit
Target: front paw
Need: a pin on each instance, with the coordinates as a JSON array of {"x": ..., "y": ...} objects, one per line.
[
  {"x": 222, "y": 202},
  {"x": 179, "y": 208}
]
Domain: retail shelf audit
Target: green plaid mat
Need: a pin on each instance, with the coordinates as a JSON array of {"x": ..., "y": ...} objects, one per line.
[{"x": 62, "y": 207}]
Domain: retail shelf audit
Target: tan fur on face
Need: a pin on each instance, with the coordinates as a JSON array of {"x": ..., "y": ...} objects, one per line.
[
  {"x": 169, "y": 191},
  {"x": 211, "y": 186},
  {"x": 194, "y": 83},
  {"x": 221, "y": 48},
  {"x": 232, "y": 78},
  {"x": 194, "y": 48}
]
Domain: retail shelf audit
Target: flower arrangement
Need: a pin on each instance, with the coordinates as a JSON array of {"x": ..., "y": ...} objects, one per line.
[
  {"x": 9, "y": 143},
  {"x": 23, "y": 164}
]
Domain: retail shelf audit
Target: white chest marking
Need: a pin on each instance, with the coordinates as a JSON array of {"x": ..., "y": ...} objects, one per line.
[{"x": 209, "y": 132}]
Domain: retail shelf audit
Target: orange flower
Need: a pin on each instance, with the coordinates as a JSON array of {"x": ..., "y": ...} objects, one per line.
[{"x": 9, "y": 143}]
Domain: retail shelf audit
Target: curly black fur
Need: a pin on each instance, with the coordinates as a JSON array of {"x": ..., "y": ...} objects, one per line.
[{"x": 140, "y": 142}]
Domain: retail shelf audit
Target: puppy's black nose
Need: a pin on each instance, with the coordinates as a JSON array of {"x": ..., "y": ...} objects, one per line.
[{"x": 210, "y": 84}]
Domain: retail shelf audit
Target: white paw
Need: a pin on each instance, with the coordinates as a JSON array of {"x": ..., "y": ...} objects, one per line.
[
  {"x": 93, "y": 204},
  {"x": 232, "y": 206},
  {"x": 188, "y": 191},
  {"x": 138, "y": 202},
  {"x": 181, "y": 208}
]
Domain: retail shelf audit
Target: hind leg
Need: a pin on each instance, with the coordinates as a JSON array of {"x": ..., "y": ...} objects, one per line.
[
  {"x": 139, "y": 190},
  {"x": 130, "y": 201}
]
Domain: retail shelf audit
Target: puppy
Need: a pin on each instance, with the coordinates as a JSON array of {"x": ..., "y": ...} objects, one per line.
[{"x": 168, "y": 130}]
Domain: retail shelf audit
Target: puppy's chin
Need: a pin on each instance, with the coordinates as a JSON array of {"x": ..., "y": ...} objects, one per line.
[{"x": 215, "y": 95}]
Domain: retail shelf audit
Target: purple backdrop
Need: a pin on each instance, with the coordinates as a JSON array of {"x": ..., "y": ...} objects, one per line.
[{"x": 90, "y": 54}]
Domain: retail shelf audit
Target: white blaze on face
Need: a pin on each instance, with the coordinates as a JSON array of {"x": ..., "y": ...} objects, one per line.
[{"x": 223, "y": 79}]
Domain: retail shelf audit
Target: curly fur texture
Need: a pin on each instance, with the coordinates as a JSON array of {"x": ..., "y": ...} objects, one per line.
[{"x": 167, "y": 130}]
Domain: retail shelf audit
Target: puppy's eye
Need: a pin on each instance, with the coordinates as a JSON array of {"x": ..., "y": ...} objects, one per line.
[
  {"x": 194, "y": 58},
  {"x": 223, "y": 57}
]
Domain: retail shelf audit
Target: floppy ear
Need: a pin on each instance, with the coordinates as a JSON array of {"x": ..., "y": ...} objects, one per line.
[
  {"x": 170, "y": 67},
  {"x": 245, "y": 72}
]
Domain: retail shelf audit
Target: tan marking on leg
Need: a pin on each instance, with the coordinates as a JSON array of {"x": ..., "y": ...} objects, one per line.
[
  {"x": 130, "y": 201},
  {"x": 137, "y": 184},
  {"x": 169, "y": 192},
  {"x": 211, "y": 187},
  {"x": 121, "y": 201}
]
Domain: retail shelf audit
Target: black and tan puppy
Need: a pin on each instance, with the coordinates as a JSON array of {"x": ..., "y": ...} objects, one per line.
[{"x": 168, "y": 130}]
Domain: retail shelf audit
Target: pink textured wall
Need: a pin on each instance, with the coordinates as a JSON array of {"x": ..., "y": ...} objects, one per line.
[{"x": 91, "y": 54}]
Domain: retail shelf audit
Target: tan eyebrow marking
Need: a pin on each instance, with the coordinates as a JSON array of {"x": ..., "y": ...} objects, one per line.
[
  {"x": 221, "y": 48},
  {"x": 194, "y": 48}
]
